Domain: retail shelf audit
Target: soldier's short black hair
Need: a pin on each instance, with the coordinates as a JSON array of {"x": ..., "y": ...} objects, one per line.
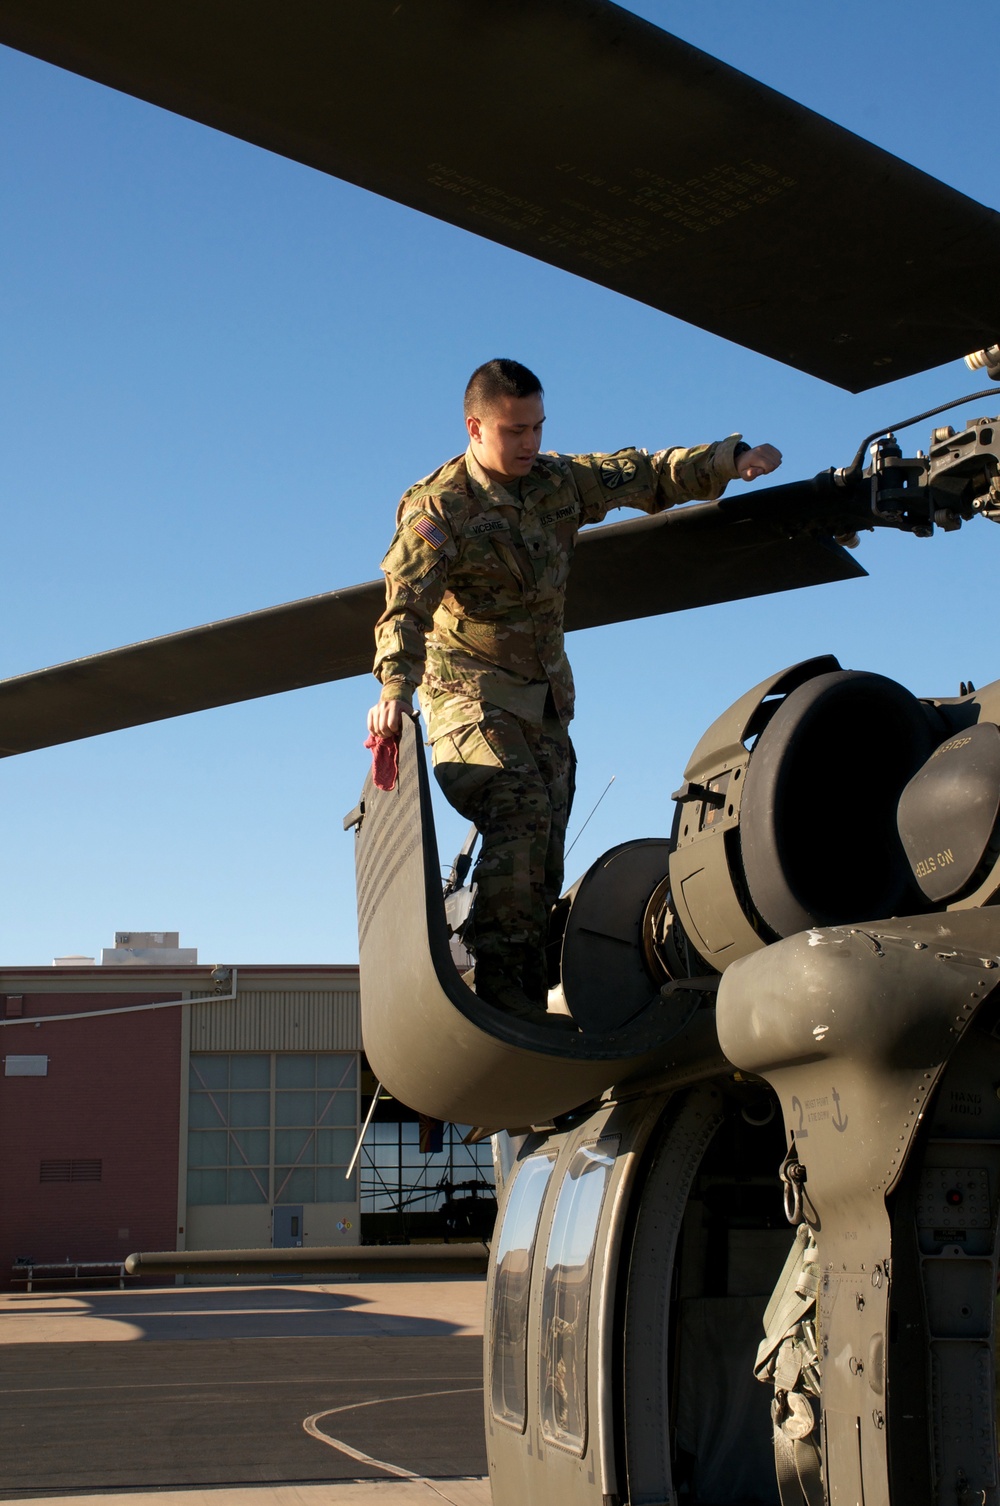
[{"x": 496, "y": 379}]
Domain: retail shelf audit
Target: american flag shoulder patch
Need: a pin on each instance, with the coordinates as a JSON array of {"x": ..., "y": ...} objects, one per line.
[{"x": 429, "y": 531}]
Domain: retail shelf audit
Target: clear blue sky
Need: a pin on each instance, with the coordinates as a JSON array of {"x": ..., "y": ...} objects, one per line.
[{"x": 219, "y": 371}]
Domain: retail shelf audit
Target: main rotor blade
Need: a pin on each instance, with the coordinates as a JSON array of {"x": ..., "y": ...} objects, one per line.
[
  {"x": 689, "y": 558},
  {"x": 575, "y": 132},
  {"x": 698, "y": 556}
]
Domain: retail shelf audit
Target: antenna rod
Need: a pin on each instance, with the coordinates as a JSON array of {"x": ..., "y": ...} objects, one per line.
[
  {"x": 364, "y": 1130},
  {"x": 583, "y": 828}
]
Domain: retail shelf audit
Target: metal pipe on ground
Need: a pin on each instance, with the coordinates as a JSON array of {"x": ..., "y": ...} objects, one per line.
[{"x": 361, "y": 1260}]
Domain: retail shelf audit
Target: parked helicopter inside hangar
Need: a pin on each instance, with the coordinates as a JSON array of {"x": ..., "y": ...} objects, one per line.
[{"x": 640, "y": 1158}]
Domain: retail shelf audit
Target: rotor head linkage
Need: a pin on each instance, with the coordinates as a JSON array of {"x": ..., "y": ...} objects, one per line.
[{"x": 988, "y": 358}]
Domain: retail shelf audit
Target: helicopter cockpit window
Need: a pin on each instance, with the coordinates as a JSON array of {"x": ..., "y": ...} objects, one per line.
[
  {"x": 569, "y": 1265},
  {"x": 515, "y": 1246}
]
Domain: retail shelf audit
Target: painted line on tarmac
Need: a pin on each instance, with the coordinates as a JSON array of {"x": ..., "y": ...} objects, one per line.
[
  {"x": 219, "y": 1385},
  {"x": 310, "y": 1424}
]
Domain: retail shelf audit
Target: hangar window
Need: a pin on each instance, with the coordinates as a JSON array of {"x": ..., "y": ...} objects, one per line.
[
  {"x": 271, "y": 1127},
  {"x": 315, "y": 1119},
  {"x": 515, "y": 1247},
  {"x": 569, "y": 1263}
]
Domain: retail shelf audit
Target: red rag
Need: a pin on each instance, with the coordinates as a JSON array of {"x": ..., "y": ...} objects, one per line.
[{"x": 385, "y": 760}]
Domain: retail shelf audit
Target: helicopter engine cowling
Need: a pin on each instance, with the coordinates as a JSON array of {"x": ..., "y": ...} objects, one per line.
[
  {"x": 949, "y": 817},
  {"x": 787, "y": 816}
]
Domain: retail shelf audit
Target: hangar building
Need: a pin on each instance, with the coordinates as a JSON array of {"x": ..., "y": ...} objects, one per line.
[{"x": 152, "y": 1103}]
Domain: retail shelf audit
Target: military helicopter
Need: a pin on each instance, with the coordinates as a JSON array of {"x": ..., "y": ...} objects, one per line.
[{"x": 740, "y": 1009}]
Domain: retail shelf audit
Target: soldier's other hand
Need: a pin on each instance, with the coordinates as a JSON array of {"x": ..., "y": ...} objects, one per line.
[
  {"x": 760, "y": 461},
  {"x": 386, "y": 719}
]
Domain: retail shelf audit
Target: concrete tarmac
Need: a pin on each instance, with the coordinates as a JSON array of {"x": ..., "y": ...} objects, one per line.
[
  {"x": 340, "y": 1493},
  {"x": 294, "y": 1395}
]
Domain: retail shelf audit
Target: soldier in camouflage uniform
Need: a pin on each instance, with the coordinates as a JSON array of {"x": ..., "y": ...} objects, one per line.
[{"x": 475, "y": 588}]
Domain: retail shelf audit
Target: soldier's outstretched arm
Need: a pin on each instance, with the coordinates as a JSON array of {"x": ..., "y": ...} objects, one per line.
[{"x": 652, "y": 483}]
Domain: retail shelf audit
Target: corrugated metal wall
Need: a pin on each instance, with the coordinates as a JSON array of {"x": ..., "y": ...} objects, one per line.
[{"x": 278, "y": 1020}]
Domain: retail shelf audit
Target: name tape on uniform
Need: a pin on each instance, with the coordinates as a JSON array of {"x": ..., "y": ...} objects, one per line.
[{"x": 486, "y": 525}]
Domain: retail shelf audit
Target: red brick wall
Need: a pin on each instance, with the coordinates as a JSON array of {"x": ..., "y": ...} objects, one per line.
[{"x": 112, "y": 1093}]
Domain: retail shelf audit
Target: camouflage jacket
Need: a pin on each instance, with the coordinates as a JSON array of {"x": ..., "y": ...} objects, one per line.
[{"x": 476, "y": 578}]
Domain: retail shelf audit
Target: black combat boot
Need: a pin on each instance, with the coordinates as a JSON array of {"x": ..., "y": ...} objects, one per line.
[
  {"x": 535, "y": 982},
  {"x": 500, "y": 980},
  {"x": 535, "y": 974}
]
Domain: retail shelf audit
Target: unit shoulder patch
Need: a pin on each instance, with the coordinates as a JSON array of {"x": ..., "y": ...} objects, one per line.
[{"x": 615, "y": 472}]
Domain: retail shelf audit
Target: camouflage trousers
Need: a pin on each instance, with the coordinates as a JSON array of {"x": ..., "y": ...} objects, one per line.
[{"x": 514, "y": 781}]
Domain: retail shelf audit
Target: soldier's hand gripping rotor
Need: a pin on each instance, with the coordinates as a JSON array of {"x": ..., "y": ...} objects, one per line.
[{"x": 957, "y": 479}]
